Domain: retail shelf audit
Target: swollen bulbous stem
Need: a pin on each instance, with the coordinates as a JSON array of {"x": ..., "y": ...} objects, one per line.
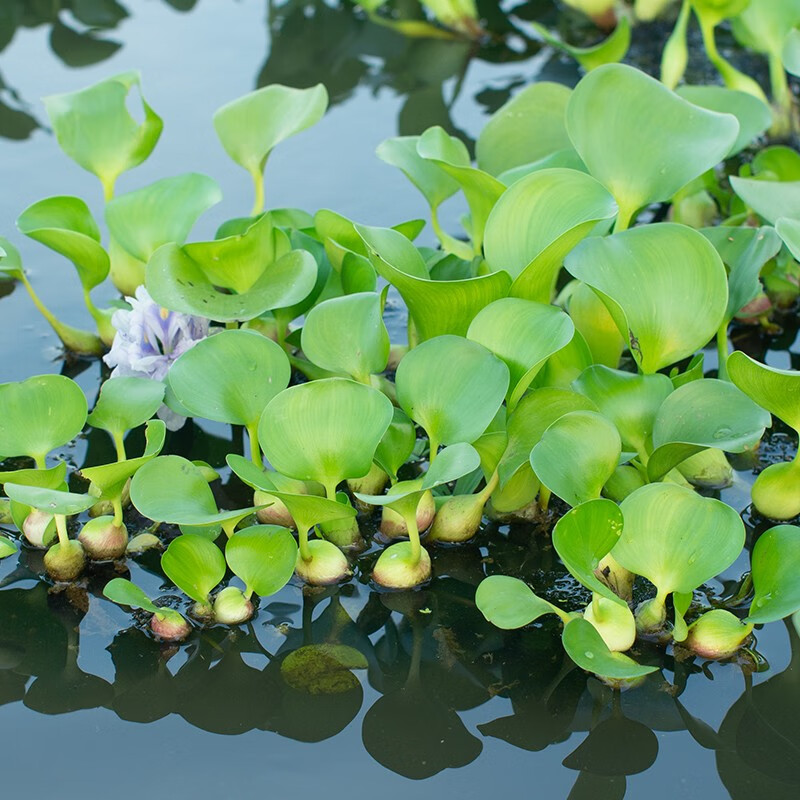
[{"x": 652, "y": 614}]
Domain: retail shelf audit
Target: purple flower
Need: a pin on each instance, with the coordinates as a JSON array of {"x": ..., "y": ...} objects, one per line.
[{"x": 148, "y": 339}]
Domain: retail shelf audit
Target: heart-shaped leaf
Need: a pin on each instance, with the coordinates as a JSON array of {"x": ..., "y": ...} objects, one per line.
[
  {"x": 775, "y": 566},
  {"x": 769, "y": 199},
  {"x": 263, "y": 556},
  {"x": 95, "y": 128},
  {"x": 585, "y": 646},
  {"x": 347, "y": 334},
  {"x": 509, "y": 603},
  {"x": 40, "y": 414},
  {"x": 652, "y": 279},
  {"x": 125, "y": 404},
  {"x": 452, "y": 387},
  {"x": 122, "y": 591},
  {"x": 577, "y": 454},
  {"x": 195, "y": 565},
  {"x": 51, "y": 501},
  {"x": 639, "y": 139}
]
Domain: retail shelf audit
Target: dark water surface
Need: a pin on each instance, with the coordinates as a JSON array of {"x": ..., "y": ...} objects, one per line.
[{"x": 438, "y": 694}]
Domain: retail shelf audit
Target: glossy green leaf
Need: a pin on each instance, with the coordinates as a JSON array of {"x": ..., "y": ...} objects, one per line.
[
  {"x": 7, "y": 547},
  {"x": 639, "y": 139},
  {"x": 172, "y": 489},
  {"x": 565, "y": 365},
  {"x": 436, "y": 307},
  {"x": 789, "y": 232},
  {"x": 531, "y": 418},
  {"x": 397, "y": 444},
  {"x": 776, "y": 390},
  {"x": 506, "y": 140},
  {"x": 52, "y": 501},
  {"x": 744, "y": 251},
  {"x": 609, "y": 51},
  {"x": 179, "y": 283},
  {"x": 125, "y": 404},
  {"x": 653, "y": 279},
  {"x": 509, "y": 603},
  {"x": 584, "y": 536},
  {"x": 595, "y": 324},
  {"x": 10, "y": 261},
  {"x": 585, "y": 646},
  {"x": 629, "y": 400},
  {"x": 165, "y": 211},
  {"x": 480, "y": 189},
  {"x": 702, "y": 414},
  {"x": 762, "y": 26},
  {"x": 577, "y": 454},
  {"x": 347, "y": 334},
  {"x": 66, "y": 225},
  {"x": 263, "y": 556},
  {"x": 51, "y": 478},
  {"x": 122, "y": 591},
  {"x": 452, "y": 387},
  {"x": 677, "y": 539},
  {"x": 40, "y": 414},
  {"x": 774, "y": 568},
  {"x": 326, "y": 431},
  {"x": 790, "y": 53},
  {"x": 769, "y": 199},
  {"x": 753, "y": 115},
  {"x": 195, "y": 565},
  {"x": 95, "y": 128},
  {"x": 538, "y": 221},
  {"x": 230, "y": 376}
]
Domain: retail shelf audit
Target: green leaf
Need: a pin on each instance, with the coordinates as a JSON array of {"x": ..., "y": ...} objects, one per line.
[
  {"x": 436, "y": 307},
  {"x": 538, "y": 221},
  {"x": 769, "y": 199},
  {"x": 40, "y": 414},
  {"x": 7, "y": 547},
  {"x": 775, "y": 566},
  {"x": 677, "y": 539},
  {"x": 397, "y": 444},
  {"x": 652, "y": 280},
  {"x": 753, "y": 115},
  {"x": 585, "y": 646},
  {"x": 172, "y": 489},
  {"x": 251, "y": 126},
  {"x": 584, "y": 536},
  {"x": 702, "y": 414},
  {"x": 95, "y": 128},
  {"x": 789, "y": 232},
  {"x": 509, "y": 603},
  {"x": 531, "y": 418},
  {"x": 125, "y": 404},
  {"x": 629, "y": 400},
  {"x": 460, "y": 406},
  {"x": 480, "y": 189},
  {"x": 195, "y": 565},
  {"x": 52, "y": 478},
  {"x": 506, "y": 142},
  {"x": 744, "y": 251},
  {"x": 66, "y": 225},
  {"x": 593, "y": 321},
  {"x": 53, "y": 501},
  {"x": 776, "y": 390},
  {"x": 110, "y": 478},
  {"x": 230, "y": 376},
  {"x": 763, "y": 26},
  {"x": 639, "y": 139},
  {"x": 179, "y": 283},
  {"x": 323, "y": 669},
  {"x": 523, "y": 334},
  {"x": 165, "y": 211},
  {"x": 577, "y": 454},
  {"x": 347, "y": 334},
  {"x": 791, "y": 52},
  {"x": 122, "y": 591},
  {"x": 326, "y": 430},
  {"x": 609, "y": 51},
  {"x": 10, "y": 261},
  {"x": 263, "y": 556}
]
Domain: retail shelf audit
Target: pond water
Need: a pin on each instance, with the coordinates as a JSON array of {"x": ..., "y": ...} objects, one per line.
[{"x": 439, "y": 702}]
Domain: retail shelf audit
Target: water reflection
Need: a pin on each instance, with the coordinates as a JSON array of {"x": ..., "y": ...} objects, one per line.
[{"x": 410, "y": 666}]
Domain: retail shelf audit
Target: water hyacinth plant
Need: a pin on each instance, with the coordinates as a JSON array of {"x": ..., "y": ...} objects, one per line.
[{"x": 552, "y": 369}]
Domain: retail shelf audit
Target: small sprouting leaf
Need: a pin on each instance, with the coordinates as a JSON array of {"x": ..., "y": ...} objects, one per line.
[
  {"x": 195, "y": 565},
  {"x": 122, "y": 591},
  {"x": 263, "y": 556},
  {"x": 585, "y": 646},
  {"x": 509, "y": 603},
  {"x": 230, "y": 377},
  {"x": 125, "y": 404}
]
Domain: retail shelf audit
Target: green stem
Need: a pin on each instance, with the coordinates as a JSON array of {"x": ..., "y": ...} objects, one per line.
[
  {"x": 231, "y": 325},
  {"x": 41, "y": 461},
  {"x": 255, "y": 448},
  {"x": 544, "y": 497},
  {"x": 450, "y": 243},
  {"x": 119, "y": 444},
  {"x": 229, "y": 527},
  {"x": 491, "y": 485},
  {"x": 330, "y": 491},
  {"x": 117, "y": 503},
  {"x": 433, "y": 447},
  {"x": 108, "y": 188},
  {"x": 722, "y": 351},
  {"x": 61, "y": 529},
  {"x": 258, "y": 187},
  {"x": 302, "y": 535},
  {"x": 624, "y": 217},
  {"x": 413, "y": 536},
  {"x": 565, "y": 618}
]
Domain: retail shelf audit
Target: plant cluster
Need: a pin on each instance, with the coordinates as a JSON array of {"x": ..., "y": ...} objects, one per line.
[{"x": 554, "y": 348}]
